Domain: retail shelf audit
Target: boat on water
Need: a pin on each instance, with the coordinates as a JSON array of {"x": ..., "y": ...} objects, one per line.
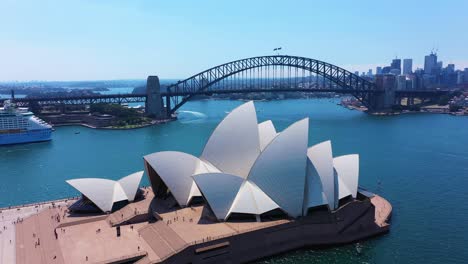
[{"x": 19, "y": 125}]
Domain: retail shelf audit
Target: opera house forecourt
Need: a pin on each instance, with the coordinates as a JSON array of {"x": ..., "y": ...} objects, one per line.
[{"x": 254, "y": 192}]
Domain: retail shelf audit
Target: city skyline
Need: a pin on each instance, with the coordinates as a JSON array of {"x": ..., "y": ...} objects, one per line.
[{"x": 83, "y": 40}]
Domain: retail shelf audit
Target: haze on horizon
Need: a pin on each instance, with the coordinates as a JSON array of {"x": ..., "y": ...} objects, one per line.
[{"x": 105, "y": 40}]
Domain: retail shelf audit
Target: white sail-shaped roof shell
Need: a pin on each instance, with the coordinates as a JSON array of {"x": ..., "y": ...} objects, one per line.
[
  {"x": 321, "y": 157},
  {"x": 119, "y": 193},
  {"x": 314, "y": 195},
  {"x": 252, "y": 200},
  {"x": 341, "y": 188},
  {"x": 176, "y": 170},
  {"x": 234, "y": 145},
  {"x": 99, "y": 191},
  {"x": 130, "y": 184},
  {"x": 280, "y": 169},
  {"x": 347, "y": 168},
  {"x": 104, "y": 193},
  {"x": 266, "y": 132},
  {"x": 219, "y": 190}
]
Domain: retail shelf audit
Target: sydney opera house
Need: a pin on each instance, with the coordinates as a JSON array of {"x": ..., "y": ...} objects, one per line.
[
  {"x": 248, "y": 168},
  {"x": 253, "y": 192}
]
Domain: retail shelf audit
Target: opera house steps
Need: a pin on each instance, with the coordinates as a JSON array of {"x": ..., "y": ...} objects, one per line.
[
  {"x": 129, "y": 214},
  {"x": 135, "y": 212},
  {"x": 162, "y": 239}
]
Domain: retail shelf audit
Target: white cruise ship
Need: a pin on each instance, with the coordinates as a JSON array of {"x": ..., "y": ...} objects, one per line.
[{"x": 18, "y": 125}]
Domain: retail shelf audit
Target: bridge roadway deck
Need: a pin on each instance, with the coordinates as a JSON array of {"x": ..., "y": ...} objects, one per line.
[{"x": 142, "y": 97}]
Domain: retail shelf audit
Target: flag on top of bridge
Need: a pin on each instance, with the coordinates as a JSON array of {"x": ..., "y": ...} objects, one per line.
[{"x": 275, "y": 49}]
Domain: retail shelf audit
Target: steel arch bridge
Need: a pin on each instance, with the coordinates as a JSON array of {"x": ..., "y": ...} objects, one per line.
[{"x": 204, "y": 82}]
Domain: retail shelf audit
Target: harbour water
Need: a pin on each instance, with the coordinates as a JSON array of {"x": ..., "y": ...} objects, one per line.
[{"x": 418, "y": 162}]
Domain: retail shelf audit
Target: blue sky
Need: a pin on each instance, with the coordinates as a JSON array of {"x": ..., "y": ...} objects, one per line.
[{"x": 113, "y": 39}]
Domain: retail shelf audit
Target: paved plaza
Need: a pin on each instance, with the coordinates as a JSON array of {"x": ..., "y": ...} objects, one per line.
[{"x": 8, "y": 220}]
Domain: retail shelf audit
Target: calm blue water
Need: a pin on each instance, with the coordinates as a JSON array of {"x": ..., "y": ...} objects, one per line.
[{"x": 421, "y": 162}]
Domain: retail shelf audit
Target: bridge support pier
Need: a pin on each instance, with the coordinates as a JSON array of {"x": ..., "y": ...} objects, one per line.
[
  {"x": 154, "y": 104},
  {"x": 385, "y": 100},
  {"x": 168, "y": 107}
]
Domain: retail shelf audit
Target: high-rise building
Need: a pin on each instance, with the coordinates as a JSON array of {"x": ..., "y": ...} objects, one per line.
[
  {"x": 409, "y": 84},
  {"x": 460, "y": 77},
  {"x": 465, "y": 73},
  {"x": 369, "y": 73},
  {"x": 378, "y": 70},
  {"x": 386, "y": 70},
  {"x": 396, "y": 65},
  {"x": 428, "y": 81},
  {"x": 419, "y": 71},
  {"x": 448, "y": 76},
  {"x": 416, "y": 82},
  {"x": 357, "y": 73},
  {"x": 450, "y": 68},
  {"x": 395, "y": 72},
  {"x": 430, "y": 63},
  {"x": 401, "y": 82},
  {"x": 407, "y": 66},
  {"x": 440, "y": 64}
]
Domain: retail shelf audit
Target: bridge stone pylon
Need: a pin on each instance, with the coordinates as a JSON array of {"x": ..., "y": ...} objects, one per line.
[{"x": 154, "y": 104}]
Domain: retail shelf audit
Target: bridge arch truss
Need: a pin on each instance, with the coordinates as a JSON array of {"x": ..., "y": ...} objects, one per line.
[{"x": 202, "y": 83}]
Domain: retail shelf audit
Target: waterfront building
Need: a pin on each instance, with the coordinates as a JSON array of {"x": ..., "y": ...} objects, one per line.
[{"x": 407, "y": 66}]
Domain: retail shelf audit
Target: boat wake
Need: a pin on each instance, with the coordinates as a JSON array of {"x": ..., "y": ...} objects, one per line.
[{"x": 190, "y": 117}]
